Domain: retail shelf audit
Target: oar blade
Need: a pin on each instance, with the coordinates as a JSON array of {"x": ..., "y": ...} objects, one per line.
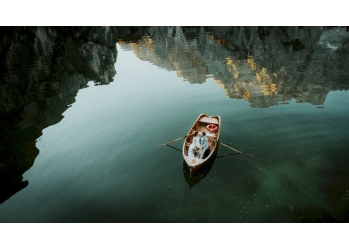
[{"x": 234, "y": 149}]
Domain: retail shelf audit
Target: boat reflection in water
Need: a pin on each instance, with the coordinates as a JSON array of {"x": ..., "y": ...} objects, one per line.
[{"x": 193, "y": 178}]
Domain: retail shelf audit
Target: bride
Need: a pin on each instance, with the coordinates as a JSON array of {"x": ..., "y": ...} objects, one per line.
[{"x": 194, "y": 148}]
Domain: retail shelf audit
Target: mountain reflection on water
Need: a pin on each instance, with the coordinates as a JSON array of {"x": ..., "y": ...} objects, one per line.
[
  {"x": 43, "y": 68},
  {"x": 266, "y": 66}
]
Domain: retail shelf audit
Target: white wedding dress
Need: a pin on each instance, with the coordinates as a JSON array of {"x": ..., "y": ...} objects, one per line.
[{"x": 194, "y": 143}]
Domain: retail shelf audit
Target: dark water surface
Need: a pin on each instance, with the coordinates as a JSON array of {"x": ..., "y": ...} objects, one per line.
[{"x": 76, "y": 154}]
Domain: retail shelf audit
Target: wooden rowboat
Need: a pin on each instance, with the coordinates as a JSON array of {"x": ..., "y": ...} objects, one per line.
[
  {"x": 200, "y": 125},
  {"x": 193, "y": 178}
]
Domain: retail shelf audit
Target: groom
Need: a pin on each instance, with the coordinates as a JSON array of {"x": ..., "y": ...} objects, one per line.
[{"x": 203, "y": 143}]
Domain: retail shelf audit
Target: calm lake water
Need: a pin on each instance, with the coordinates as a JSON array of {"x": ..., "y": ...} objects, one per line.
[{"x": 93, "y": 157}]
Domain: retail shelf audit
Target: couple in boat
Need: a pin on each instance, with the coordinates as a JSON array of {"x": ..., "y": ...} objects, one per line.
[{"x": 199, "y": 145}]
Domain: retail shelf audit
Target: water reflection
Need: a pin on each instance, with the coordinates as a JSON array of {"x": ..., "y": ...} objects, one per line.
[
  {"x": 266, "y": 66},
  {"x": 194, "y": 178},
  {"x": 42, "y": 69}
]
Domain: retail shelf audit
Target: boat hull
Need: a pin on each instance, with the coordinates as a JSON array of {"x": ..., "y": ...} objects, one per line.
[
  {"x": 200, "y": 125},
  {"x": 198, "y": 170}
]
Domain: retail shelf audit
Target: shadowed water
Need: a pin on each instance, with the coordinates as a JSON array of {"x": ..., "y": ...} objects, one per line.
[{"x": 76, "y": 154}]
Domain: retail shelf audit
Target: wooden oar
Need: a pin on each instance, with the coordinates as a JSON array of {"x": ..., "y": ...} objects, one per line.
[
  {"x": 171, "y": 141},
  {"x": 174, "y": 148},
  {"x": 234, "y": 149}
]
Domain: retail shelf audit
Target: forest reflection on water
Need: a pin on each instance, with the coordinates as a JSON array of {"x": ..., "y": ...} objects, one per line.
[{"x": 43, "y": 69}]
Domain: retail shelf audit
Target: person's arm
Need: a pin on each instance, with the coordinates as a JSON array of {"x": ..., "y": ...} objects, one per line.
[
  {"x": 206, "y": 142},
  {"x": 198, "y": 146}
]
